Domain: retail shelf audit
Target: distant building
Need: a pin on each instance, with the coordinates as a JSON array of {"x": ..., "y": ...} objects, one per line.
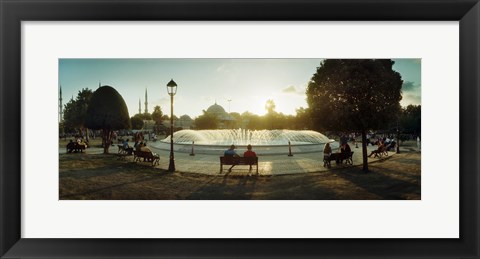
[
  {"x": 223, "y": 117},
  {"x": 185, "y": 122}
]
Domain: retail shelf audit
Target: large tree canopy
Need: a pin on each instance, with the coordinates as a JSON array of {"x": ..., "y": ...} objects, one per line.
[
  {"x": 354, "y": 95},
  {"x": 107, "y": 111},
  {"x": 76, "y": 110},
  {"x": 410, "y": 119}
]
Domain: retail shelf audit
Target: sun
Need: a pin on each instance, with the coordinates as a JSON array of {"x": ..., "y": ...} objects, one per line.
[{"x": 256, "y": 105}]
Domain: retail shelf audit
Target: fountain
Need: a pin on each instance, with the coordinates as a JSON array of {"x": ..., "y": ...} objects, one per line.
[{"x": 263, "y": 141}]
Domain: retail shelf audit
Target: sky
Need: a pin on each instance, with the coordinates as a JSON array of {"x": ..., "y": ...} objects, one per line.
[{"x": 238, "y": 85}]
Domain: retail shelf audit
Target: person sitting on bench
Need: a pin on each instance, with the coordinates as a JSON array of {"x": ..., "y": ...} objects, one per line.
[
  {"x": 127, "y": 147},
  {"x": 344, "y": 153},
  {"x": 249, "y": 153},
  {"x": 144, "y": 148},
  {"x": 230, "y": 152},
  {"x": 380, "y": 149}
]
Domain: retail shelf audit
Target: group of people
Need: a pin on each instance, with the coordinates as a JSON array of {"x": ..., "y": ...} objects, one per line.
[
  {"x": 344, "y": 153},
  {"x": 79, "y": 144},
  {"x": 383, "y": 146},
  {"x": 138, "y": 146},
  {"x": 231, "y": 152}
]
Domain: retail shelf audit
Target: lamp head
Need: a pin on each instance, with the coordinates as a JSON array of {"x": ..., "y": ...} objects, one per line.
[{"x": 172, "y": 88}]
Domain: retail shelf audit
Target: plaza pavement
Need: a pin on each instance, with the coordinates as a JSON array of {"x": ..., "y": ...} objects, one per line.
[{"x": 267, "y": 164}]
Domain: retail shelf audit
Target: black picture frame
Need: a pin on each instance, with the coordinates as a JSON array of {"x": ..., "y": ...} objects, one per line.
[{"x": 13, "y": 12}]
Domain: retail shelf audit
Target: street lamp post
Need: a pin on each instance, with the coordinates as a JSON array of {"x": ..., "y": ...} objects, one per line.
[
  {"x": 229, "y": 116},
  {"x": 172, "y": 90},
  {"x": 398, "y": 138}
]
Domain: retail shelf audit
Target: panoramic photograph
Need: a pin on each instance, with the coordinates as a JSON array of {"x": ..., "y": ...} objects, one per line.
[{"x": 239, "y": 129}]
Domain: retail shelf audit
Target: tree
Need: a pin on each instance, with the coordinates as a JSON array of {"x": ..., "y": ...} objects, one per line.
[
  {"x": 271, "y": 114},
  {"x": 206, "y": 121},
  {"x": 76, "y": 110},
  {"x": 137, "y": 122},
  {"x": 237, "y": 120},
  {"x": 270, "y": 106},
  {"x": 107, "y": 111},
  {"x": 144, "y": 116},
  {"x": 354, "y": 95},
  {"x": 302, "y": 119},
  {"x": 256, "y": 122},
  {"x": 157, "y": 115},
  {"x": 410, "y": 119}
]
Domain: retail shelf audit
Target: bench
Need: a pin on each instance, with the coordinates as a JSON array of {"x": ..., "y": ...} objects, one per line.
[
  {"x": 75, "y": 147},
  {"x": 380, "y": 152},
  {"x": 123, "y": 150},
  {"x": 147, "y": 156},
  {"x": 339, "y": 158},
  {"x": 122, "y": 156},
  {"x": 230, "y": 160}
]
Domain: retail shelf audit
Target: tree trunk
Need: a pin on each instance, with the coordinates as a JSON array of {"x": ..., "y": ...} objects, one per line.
[
  {"x": 398, "y": 141},
  {"x": 107, "y": 139},
  {"x": 364, "y": 151}
]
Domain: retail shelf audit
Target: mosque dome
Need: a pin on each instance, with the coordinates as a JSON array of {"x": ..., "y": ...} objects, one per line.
[
  {"x": 216, "y": 109},
  {"x": 185, "y": 117}
]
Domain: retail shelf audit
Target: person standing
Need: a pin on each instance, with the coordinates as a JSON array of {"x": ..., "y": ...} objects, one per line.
[
  {"x": 327, "y": 152},
  {"x": 418, "y": 143}
]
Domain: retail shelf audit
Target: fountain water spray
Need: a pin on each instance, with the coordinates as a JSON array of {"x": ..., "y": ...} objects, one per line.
[{"x": 263, "y": 141}]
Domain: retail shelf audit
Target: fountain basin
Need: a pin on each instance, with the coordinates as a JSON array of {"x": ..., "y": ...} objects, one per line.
[{"x": 264, "y": 142}]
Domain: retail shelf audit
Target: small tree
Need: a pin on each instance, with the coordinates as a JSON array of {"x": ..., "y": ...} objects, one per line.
[
  {"x": 157, "y": 115},
  {"x": 354, "y": 95},
  {"x": 270, "y": 106},
  {"x": 145, "y": 116},
  {"x": 107, "y": 111},
  {"x": 206, "y": 121},
  {"x": 137, "y": 122}
]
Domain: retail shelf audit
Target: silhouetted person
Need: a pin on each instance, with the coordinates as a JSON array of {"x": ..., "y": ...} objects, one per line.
[
  {"x": 230, "y": 153},
  {"x": 327, "y": 152},
  {"x": 249, "y": 153}
]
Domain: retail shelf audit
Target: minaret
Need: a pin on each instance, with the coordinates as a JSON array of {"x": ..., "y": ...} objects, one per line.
[
  {"x": 99, "y": 84},
  {"x": 146, "y": 101},
  {"x": 139, "y": 106},
  {"x": 60, "y": 106}
]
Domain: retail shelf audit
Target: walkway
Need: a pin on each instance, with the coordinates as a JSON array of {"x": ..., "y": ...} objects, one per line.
[{"x": 268, "y": 164}]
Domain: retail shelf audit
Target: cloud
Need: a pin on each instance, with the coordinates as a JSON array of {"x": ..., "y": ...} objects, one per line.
[
  {"x": 299, "y": 90},
  {"x": 290, "y": 89},
  {"x": 411, "y": 93},
  {"x": 164, "y": 101},
  {"x": 410, "y": 86},
  {"x": 411, "y": 98}
]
